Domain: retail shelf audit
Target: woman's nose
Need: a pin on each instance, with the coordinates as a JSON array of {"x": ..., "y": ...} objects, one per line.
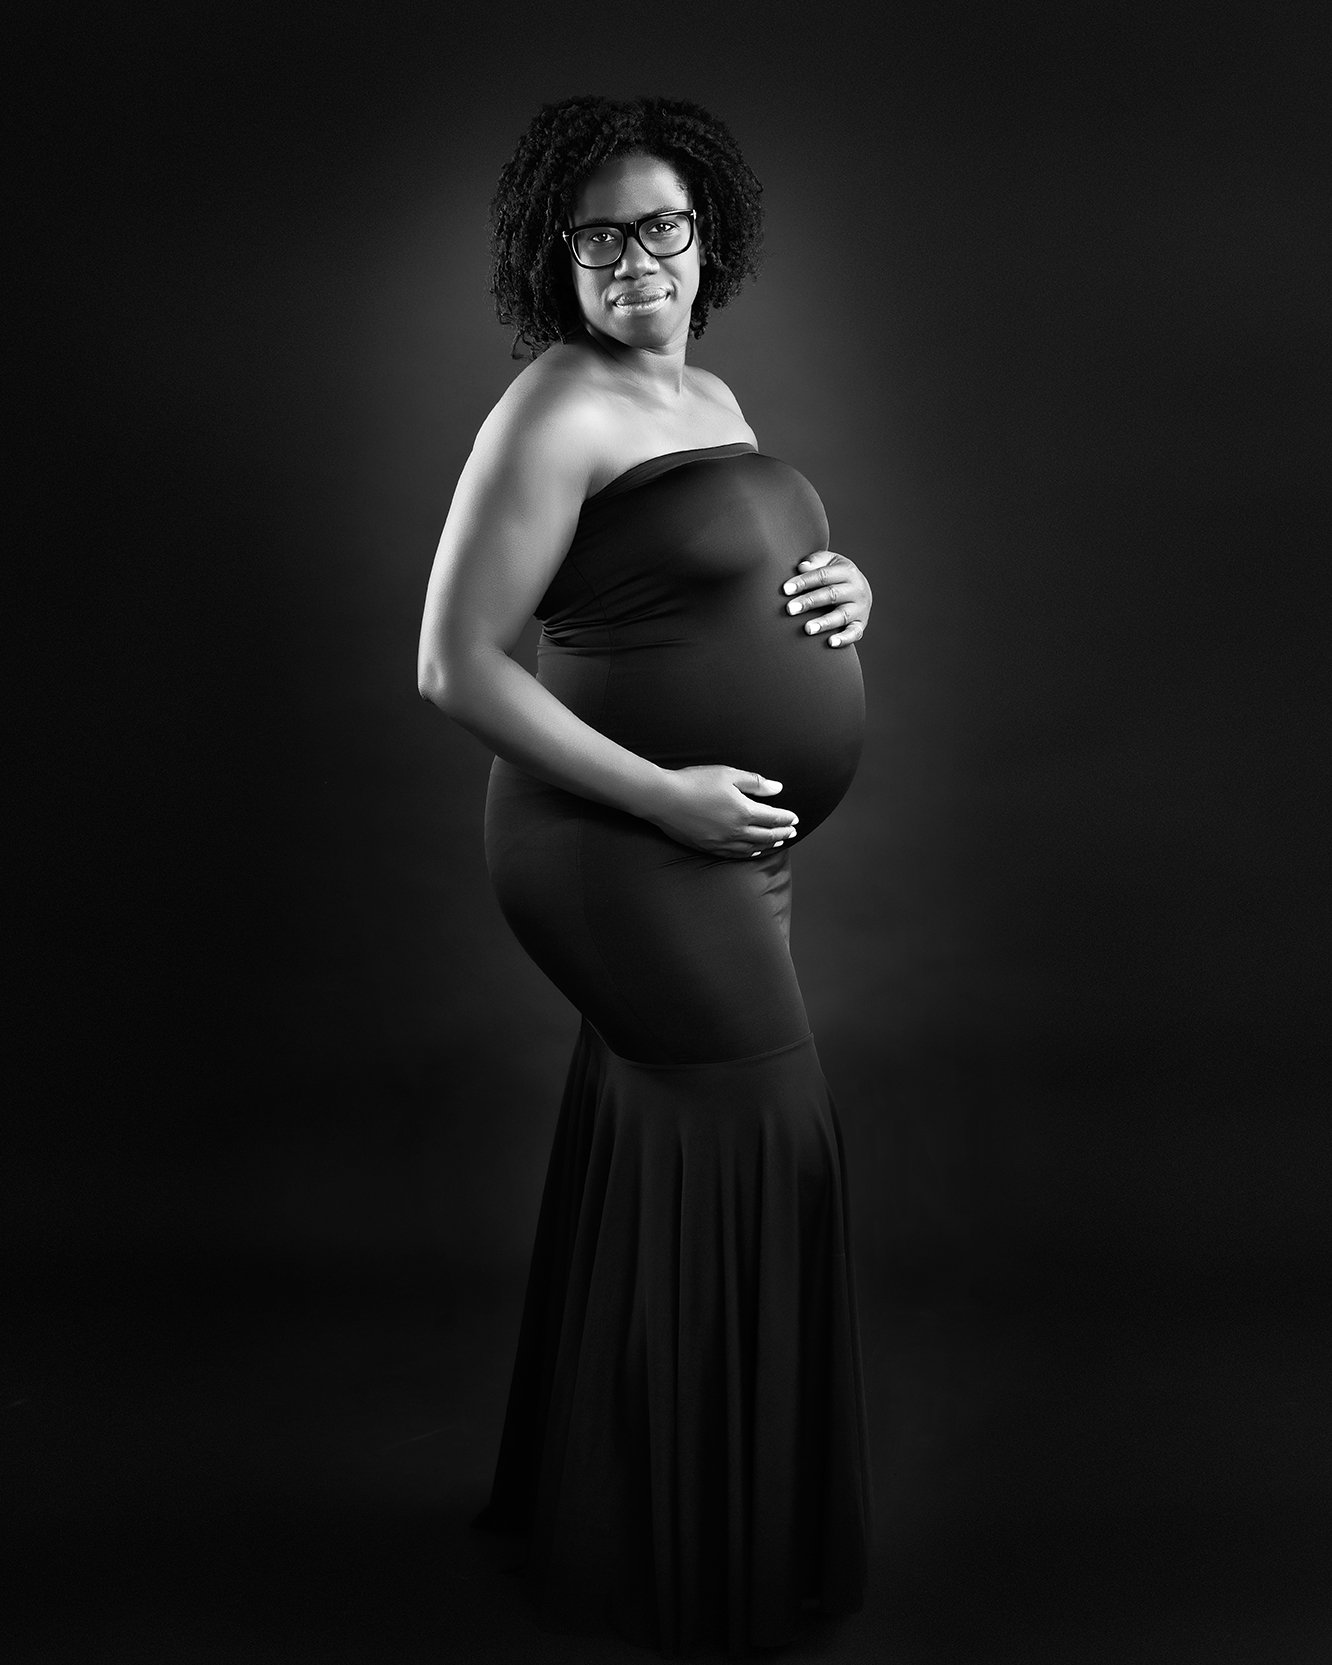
[{"x": 635, "y": 258}]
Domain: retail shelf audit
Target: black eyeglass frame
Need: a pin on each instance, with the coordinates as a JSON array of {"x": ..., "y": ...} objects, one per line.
[{"x": 628, "y": 229}]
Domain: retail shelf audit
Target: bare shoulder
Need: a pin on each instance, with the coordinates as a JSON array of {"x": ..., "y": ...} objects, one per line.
[
  {"x": 714, "y": 390},
  {"x": 710, "y": 386},
  {"x": 551, "y": 403}
]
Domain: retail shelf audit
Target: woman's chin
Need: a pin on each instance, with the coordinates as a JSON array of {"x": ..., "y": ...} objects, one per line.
[{"x": 640, "y": 325}]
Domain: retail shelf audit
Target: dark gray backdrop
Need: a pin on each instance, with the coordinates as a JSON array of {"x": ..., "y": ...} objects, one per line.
[{"x": 1036, "y": 323}]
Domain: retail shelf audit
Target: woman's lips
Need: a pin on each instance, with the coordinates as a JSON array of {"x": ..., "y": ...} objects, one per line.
[{"x": 639, "y": 300}]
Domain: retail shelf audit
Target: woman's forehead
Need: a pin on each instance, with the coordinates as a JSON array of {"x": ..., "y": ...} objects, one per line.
[{"x": 627, "y": 187}]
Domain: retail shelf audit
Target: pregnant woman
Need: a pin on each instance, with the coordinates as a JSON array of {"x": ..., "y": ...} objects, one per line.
[{"x": 685, "y": 1435}]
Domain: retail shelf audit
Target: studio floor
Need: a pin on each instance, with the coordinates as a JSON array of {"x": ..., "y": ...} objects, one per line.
[{"x": 280, "y": 1462}]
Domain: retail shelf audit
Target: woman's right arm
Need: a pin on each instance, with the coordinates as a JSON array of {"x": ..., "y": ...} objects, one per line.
[{"x": 512, "y": 519}]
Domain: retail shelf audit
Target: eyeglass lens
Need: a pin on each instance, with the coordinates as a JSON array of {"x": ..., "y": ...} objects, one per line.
[{"x": 662, "y": 236}]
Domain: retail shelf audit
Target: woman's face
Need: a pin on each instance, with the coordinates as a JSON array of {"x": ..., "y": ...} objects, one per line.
[{"x": 642, "y": 301}]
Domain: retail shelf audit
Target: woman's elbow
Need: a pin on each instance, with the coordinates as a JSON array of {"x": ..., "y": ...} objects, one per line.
[
  {"x": 433, "y": 681},
  {"x": 456, "y": 679}
]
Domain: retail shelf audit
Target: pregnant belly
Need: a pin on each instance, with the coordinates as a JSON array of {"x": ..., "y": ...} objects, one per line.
[{"x": 771, "y": 701}]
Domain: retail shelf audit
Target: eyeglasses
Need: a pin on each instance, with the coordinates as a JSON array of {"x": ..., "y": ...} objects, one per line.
[{"x": 661, "y": 235}]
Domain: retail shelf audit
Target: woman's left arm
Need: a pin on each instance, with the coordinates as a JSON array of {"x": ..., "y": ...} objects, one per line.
[{"x": 835, "y": 590}]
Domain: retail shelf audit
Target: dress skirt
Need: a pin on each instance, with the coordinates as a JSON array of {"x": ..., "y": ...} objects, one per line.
[{"x": 685, "y": 1438}]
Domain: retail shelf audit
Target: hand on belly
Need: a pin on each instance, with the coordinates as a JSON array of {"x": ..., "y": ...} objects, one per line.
[{"x": 715, "y": 808}]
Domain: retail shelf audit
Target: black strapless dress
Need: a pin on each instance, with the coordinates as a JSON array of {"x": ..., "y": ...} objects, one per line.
[{"x": 685, "y": 1438}]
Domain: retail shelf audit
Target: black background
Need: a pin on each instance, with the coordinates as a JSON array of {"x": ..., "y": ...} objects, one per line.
[{"x": 1041, "y": 320}]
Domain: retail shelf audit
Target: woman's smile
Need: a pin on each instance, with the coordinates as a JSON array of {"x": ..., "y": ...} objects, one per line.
[{"x": 647, "y": 299}]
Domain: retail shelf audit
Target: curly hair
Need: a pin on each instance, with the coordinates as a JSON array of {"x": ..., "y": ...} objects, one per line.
[{"x": 566, "y": 141}]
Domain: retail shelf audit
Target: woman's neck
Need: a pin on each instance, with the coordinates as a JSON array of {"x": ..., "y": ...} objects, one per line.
[{"x": 659, "y": 372}]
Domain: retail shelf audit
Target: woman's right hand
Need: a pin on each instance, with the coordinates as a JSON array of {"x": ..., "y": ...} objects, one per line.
[{"x": 711, "y": 807}]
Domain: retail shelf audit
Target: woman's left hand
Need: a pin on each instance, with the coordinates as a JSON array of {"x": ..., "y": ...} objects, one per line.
[{"x": 834, "y": 589}]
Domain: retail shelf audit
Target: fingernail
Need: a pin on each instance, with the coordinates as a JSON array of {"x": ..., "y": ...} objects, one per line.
[
  {"x": 794, "y": 606},
  {"x": 789, "y": 588},
  {"x": 834, "y": 641},
  {"x": 811, "y": 629}
]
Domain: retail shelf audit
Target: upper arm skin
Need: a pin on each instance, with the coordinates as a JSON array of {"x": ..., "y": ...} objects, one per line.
[{"x": 511, "y": 521}]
